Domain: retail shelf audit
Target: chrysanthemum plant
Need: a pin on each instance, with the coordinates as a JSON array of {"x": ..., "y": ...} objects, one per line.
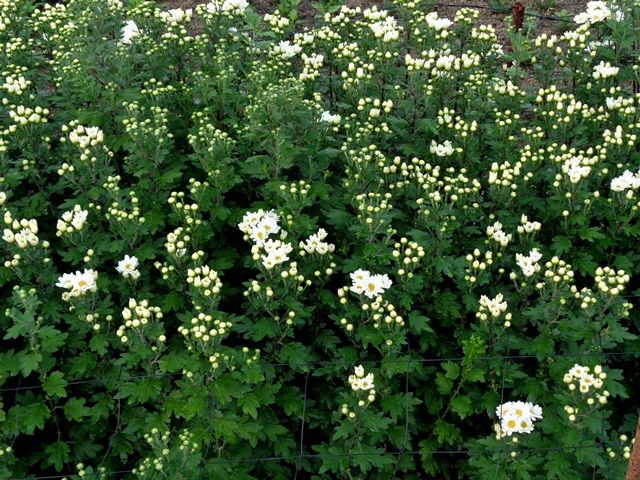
[{"x": 378, "y": 244}]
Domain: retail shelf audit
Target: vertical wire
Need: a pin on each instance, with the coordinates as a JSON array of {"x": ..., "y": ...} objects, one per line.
[
  {"x": 406, "y": 414},
  {"x": 504, "y": 362},
  {"x": 304, "y": 411}
]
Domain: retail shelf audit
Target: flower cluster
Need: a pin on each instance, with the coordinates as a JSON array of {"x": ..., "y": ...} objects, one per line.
[
  {"x": 204, "y": 335},
  {"x": 494, "y": 307},
  {"x": 78, "y": 283},
  {"x": 527, "y": 227},
  {"x": 129, "y": 32},
  {"x": 316, "y": 244},
  {"x": 586, "y": 380},
  {"x": 597, "y": 11},
  {"x": 442, "y": 150},
  {"x": 205, "y": 279},
  {"x": 72, "y": 221},
  {"x": 516, "y": 417},
  {"x": 23, "y": 233},
  {"x": 259, "y": 225},
  {"x": 15, "y": 85},
  {"x": 580, "y": 378},
  {"x": 557, "y": 272},
  {"x": 277, "y": 252},
  {"x": 605, "y": 70},
  {"x": 364, "y": 283},
  {"x": 498, "y": 235},
  {"x": 328, "y": 117},
  {"x": 529, "y": 263},
  {"x": 611, "y": 281},
  {"x": 361, "y": 382},
  {"x": 478, "y": 263},
  {"x": 137, "y": 316},
  {"x": 407, "y": 254},
  {"x": 628, "y": 181}
]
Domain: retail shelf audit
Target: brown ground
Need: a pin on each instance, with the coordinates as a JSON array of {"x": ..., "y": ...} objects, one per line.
[{"x": 559, "y": 8}]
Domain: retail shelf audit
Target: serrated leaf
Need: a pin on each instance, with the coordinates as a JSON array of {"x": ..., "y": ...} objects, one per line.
[
  {"x": 56, "y": 454},
  {"x": 249, "y": 404},
  {"x": 461, "y": 406},
  {"x": 28, "y": 361},
  {"x": 75, "y": 409},
  {"x": 54, "y": 385}
]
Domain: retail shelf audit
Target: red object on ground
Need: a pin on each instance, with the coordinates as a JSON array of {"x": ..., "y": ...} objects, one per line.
[
  {"x": 518, "y": 15},
  {"x": 633, "y": 470}
]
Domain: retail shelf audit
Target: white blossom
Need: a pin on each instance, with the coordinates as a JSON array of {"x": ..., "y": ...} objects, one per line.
[
  {"x": 128, "y": 267},
  {"x": 129, "y": 32},
  {"x": 364, "y": 283},
  {"x": 441, "y": 150},
  {"x": 517, "y": 417}
]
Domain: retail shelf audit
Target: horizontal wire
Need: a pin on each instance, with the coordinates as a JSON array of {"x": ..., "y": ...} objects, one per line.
[
  {"x": 326, "y": 363},
  {"x": 336, "y": 455}
]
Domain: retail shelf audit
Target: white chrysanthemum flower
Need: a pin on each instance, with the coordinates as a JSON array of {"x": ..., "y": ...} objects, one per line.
[
  {"x": 363, "y": 283},
  {"x": 626, "y": 181},
  {"x": 387, "y": 30},
  {"x": 598, "y": 11},
  {"x": 277, "y": 252},
  {"x": 129, "y": 32},
  {"x": 517, "y": 417},
  {"x": 315, "y": 243},
  {"x": 128, "y": 267},
  {"x": 327, "y": 117},
  {"x": 79, "y": 219},
  {"x": 79, "y": 283},
  {"x": 495, "y": 306},
  {"x": 287, "y": 49},
  {"x": 360, "y": 381},
  {"x": 604, "y": 70},
  {"x": 441, "y": 150},
  {"x": 498, "y": 235},
  {"x": 436, "y": 23},
  {"x": 259, "y": 225},
  {"x": 529, "y": 264},
  {"x": 176, "y": 15}
]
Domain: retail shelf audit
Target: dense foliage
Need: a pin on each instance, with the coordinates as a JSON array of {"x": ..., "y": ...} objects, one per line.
[{"x": 382, "y": 247}]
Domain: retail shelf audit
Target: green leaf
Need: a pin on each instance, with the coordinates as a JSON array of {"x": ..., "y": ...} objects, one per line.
[
  {"x": 56, "y": 454},
  {"x": 591, "y": 234},
  {"x": 75, "y": 409},
  {"x": 28, "y": 361},
  {"x": 461, "y": 406},
  {"x": 30, "y": 417},
  {"x": 140, "y": 391},
  {"x": 443, "y": 384},
  {"x": 452, "y": 369},
  {"x": 54, "y": 385},
  {"x": 561, "y": 245},
  {"x": 249, "y": 404}
]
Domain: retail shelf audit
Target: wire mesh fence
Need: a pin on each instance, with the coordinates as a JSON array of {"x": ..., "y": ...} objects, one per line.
[{"x": 305, "y": 369}]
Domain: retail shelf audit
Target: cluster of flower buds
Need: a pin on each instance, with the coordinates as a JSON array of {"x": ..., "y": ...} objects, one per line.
[
  {"x": 498, "y": 235},
  {"x": 407, "y": 254},
  {"x": 72, "y": 221},
  {"x": 137, "y": 316},
  {"x": 478, "y": 263},
  {"x": 205, "y": 280},
  {"x": 494, "y": 308},
  {"x": 610, "y": 281},
  {"x": 204, "y": 334}
]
